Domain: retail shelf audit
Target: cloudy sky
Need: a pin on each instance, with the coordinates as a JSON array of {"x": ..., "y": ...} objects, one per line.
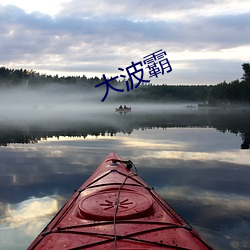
[{"x": 206, "y": 41}]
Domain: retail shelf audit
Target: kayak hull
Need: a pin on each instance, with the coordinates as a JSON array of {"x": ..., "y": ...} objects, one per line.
[{"x": 116, "y": 209}]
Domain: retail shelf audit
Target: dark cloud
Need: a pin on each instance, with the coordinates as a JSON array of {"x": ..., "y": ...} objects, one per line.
[
  {"x": 218, "y": 32},
  {"x": 115, "y": 36},
  {"x": 207, "y": 30}
]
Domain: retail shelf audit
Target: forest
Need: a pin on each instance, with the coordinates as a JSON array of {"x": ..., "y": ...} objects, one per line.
[{"x": 224, "y": 93}]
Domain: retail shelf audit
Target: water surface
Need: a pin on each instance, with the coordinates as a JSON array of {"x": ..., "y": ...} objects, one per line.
[{"x": 193, "y": 158}]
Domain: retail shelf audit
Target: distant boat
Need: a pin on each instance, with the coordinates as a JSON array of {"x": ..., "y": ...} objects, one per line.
[{"x": 125, "y": 110}]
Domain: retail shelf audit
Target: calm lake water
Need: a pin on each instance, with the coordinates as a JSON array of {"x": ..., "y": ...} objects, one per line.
[{"x": 197, "y": 160}]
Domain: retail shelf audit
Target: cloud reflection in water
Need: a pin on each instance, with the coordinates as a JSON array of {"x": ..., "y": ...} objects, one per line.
[
  {"x": 198, "y": 171},
  {"x": 21, "y": 222}
]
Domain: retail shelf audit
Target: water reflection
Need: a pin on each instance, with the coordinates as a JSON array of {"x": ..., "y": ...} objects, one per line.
[
  {"x": 31, "y": 210},
  {"x": 195, "y": 166},
  {"x": 21, "y": 221},
  {"x": 111, "y": 123}
]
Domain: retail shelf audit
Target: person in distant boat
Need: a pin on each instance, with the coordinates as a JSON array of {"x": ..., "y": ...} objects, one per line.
[
  {"x": 125, "y": 106},
  {"x": 120, "y": 107}
]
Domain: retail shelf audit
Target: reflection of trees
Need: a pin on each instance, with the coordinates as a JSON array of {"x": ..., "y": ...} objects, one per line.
[
  {"x": 234, "y": 121},
  {"x": 16, "y": 137},
  {"x": 246, "y": 141}
]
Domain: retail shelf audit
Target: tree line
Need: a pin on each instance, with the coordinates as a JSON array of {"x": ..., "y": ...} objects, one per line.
[
  {"x": 31, "y": 78},
  {"x": 236, "y": 91}
]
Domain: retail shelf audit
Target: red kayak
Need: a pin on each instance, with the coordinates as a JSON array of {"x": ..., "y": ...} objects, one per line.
[{"x": 116, "y": 209}]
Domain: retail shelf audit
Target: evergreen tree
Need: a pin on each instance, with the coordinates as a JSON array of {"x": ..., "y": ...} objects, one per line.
[{"x": 246, "y": 75}]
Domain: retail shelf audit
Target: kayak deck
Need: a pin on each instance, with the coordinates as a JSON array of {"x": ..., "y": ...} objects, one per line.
[{"x": 116, "y": 209}]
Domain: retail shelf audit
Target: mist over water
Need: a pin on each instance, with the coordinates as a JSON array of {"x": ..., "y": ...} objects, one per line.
[
  {"x": 191, "y": 156},
  {"x": 54, "y": 108},
  {"x": 52, "y": 102},
  {"x": 56, "y": 103}
]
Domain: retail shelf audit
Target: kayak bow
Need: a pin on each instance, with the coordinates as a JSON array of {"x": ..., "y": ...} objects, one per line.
[{"x": 116, "y": 209}]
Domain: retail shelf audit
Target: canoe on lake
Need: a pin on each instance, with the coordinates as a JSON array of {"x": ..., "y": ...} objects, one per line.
[
  {"x": 125, "y": 110},
  {"x": 116, "y": 209}
]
